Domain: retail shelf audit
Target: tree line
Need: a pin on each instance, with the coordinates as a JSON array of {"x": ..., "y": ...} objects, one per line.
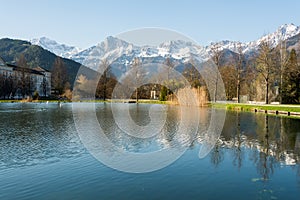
[
  {"x": 164, "y": 85},
  {"x": 271, "y": 75}
]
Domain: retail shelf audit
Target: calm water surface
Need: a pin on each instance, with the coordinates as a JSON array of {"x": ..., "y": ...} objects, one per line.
[{"x": 42, "y": 157}]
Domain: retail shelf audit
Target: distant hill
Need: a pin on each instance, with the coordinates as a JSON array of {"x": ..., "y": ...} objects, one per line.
[{"x": 11, "y": 49}]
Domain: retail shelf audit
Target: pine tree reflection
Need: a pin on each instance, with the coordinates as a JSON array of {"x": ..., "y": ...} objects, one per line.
[
  {"x": 238, "y": 154},
  {"x": 265, "y": 164},
  {"x": 217, "y": 155}
]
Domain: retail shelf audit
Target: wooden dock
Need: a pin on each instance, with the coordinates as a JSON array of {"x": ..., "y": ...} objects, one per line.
[{"x": 277, "y": 112}]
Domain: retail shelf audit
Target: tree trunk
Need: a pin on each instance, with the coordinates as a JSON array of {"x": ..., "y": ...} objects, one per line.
[
  {"x": 238, "y": 89},
  {"x": 267, "y": 91},
  {"x": 216, "y": 90},
  {"x": 104, "y": 87},
  {"x": 104, "y": 92}
]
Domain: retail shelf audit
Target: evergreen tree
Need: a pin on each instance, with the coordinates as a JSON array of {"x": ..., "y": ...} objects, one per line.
[
  {"x": 163, "y": 93},
  {"x": 59, "y": 75},
  {"x": 24, "y": 83},
  {"x": 102, "y": 87},
  {"x": 44, "y": 86},
  {"x": 291, "y": 80},
  {"x": 170, "y": 80},
  {"x": 2, "y": 88}
]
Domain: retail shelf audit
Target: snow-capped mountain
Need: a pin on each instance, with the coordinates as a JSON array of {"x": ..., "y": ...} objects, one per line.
[
  {"x": 122, "y": 52},
  {"x": 284, "y": 32},
  {"x": 110, "y": 49},
  {"x": 117, "y": 50},
  {"x": 180, "y": 49},
  {"x": 54, "y": 47}
]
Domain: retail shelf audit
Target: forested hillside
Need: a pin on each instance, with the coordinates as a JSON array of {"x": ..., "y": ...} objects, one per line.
[{"x": 10, "y": 51}]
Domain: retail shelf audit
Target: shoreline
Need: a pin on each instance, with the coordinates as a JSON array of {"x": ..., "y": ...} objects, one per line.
[
  {"x": 280, "y": 110},
  {"x": 89, "y": 101}
]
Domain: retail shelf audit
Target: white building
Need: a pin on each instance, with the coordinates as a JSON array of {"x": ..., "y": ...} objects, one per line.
[{"x": 39, "y": 80}]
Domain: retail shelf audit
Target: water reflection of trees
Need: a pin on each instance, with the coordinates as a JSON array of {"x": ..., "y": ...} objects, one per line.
[
  {"x": 178, "y": 119},
  {"x": 270, "y": 142},
  {"x": 167, "y": 137},
  {"x": 265, "y": 163},
  {"x": 238, "y": 153},
  {"x": 216, "y": 155}
]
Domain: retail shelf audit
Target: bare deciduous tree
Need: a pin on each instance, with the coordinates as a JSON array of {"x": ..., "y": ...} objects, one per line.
[
  {"x": 216, "y": 56},
  {"x": 266, "y": 65},
  {"x": 239, "y": 69},
  {"x": 135, "y": 66}
]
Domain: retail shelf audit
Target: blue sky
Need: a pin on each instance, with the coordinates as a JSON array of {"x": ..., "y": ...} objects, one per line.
[{"x": 85, "y": 23}]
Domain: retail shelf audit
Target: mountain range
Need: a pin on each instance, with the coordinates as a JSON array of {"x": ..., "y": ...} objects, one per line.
[
  {"x": 62, "y": 50},
  {"x": 122, "y": 52},
  {"x": 43, "y": 51}
]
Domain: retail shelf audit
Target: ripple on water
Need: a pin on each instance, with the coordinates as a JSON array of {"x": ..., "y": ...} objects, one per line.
[
  {"x": 42, "y": 157},
  {"x": 37, "y": 134}
]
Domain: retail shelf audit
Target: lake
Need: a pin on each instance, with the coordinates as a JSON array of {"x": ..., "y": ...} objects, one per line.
[{"x": 43, "y": 156}]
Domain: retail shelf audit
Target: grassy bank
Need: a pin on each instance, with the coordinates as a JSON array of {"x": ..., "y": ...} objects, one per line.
[
  {"x": 154, "y": 101},
  {"x": 228, "y": 106},
  {"x": 251, "y": 107}
]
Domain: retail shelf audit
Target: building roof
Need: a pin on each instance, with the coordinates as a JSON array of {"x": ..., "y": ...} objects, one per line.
[
  {"x": 2, "y": 63},
  {"x": 38, "y": 70},
  {"x": 41, "y": 69},
  {"x": 27, "y": 70}
]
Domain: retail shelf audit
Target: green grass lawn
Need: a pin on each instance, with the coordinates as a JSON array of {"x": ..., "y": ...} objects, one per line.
[
  {"x": 154, "y": 101},
  {"x": 249, "y": 107}
]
